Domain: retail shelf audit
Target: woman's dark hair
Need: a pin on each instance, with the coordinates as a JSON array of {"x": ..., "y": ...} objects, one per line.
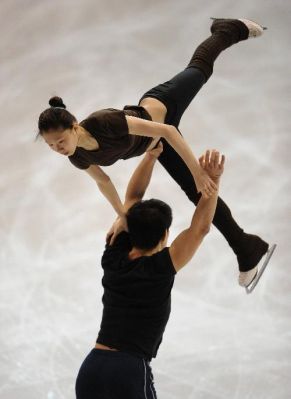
[
  {"x": 147, "y": 223},
  {"x": 56, "y": 117}
]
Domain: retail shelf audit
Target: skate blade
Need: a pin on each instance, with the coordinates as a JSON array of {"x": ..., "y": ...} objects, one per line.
[
  {"x": 263, "y": 27},
  {"x": 258, "y": 276}
]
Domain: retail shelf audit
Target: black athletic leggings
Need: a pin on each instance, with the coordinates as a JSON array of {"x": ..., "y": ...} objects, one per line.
[
  {"x": 176, "y": 94},
  {"x": 108, "y": 374}
]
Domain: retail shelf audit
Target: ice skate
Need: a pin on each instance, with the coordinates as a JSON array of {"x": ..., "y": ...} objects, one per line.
[
  {"x": 255, "y": 29},
  {"x": 250, "y": 279}
]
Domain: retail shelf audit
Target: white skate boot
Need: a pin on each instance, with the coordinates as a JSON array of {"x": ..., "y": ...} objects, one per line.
[
  {"x": 255, "y": 29},
  {"x": 250, "y": 279}
]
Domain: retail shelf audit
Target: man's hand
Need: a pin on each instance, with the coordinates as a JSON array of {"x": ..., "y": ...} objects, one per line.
[
  {"x": 212, "y": 164},
  {"x": 118, "y": 226},
  {"x": 205, "y": 184},
  {"x": 156, "y": 152}
]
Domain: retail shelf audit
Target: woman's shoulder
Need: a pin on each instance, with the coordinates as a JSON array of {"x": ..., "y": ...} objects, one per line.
[
  {"x": 101, "y": 113},
  {"x": 108, "y": 121},
  {"x": 108, "y": 114}
]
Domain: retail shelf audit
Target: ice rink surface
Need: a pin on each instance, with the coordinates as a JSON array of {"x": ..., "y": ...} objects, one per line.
[{"x": 220, "y": 342}]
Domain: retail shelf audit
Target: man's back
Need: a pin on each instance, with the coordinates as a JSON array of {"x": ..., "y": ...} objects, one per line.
[{"x": 137, "y": 298}]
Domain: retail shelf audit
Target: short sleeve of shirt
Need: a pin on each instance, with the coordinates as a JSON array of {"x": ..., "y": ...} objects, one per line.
[
  {"x": 162, "y": 263},
  {"x": 79, "y": 162},
  {"x": 110, "y": 123}
]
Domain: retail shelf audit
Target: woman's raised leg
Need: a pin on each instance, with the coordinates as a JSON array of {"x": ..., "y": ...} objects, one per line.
[
  {"x": 168, "y": 101},
  {"x": 171, "y": 99}
]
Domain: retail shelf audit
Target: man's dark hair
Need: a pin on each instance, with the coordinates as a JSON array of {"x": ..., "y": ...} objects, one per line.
[{"x": 147, "y": 222}]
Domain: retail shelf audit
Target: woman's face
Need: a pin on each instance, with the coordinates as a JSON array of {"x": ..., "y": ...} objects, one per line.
[{"x": 62, "y": 141}]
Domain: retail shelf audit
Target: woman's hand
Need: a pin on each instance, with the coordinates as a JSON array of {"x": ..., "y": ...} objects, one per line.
[
  {"x": 212, "y": 164},
  {"x": 118, "y": 226}
]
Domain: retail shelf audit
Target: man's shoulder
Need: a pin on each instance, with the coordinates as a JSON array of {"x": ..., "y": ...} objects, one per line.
[{"x": 161, "y": 262}]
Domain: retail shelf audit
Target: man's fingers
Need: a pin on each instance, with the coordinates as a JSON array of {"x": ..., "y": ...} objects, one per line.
[
  {"x": 211, "y": 186},
  {"x": 160, "y": 147},
  {"x": 207, "y": 155},
  {"x": 212, "y": 158},
  {"x": 216, "y": 159},
  {"x": 222, "y": 161},
  {"x": 214, "y": 186},
  {"x": 204, "y": 194},
  {"x": 208, "y": 190},
  {"x": 108, "y": 237},
  {"x": 112, "y": 239},
  {"x": 202, "y": 160},
  {"x": 108, "y": 234}
]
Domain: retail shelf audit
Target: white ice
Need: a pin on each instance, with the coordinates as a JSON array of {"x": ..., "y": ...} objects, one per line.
[{"x": 219, "y": 343}]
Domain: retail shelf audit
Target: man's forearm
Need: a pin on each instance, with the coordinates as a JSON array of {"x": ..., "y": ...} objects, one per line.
[
  {"x": 140, "y": 178},
  {"x": 205, "y": 210},
  {"x": 109, "y": 192}
]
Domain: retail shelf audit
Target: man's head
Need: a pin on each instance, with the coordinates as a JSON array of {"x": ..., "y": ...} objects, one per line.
[{"x": 148, "y": 223}]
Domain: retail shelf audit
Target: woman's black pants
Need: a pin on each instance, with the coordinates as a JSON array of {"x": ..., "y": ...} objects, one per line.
[{"x": 176, "y": 94}]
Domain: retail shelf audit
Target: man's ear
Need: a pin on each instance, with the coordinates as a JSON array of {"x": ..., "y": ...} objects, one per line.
[{"x": 166, "y": 235}]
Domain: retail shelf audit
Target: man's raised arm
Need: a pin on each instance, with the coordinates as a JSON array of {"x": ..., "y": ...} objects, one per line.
[
  {"x": 187, "y": 242},
  {"x": 141, "y": 177},
  {"x": 136, "y": 188}
]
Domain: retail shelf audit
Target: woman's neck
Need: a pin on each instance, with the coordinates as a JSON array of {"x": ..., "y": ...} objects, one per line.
[{"x": 86, "y": 140}]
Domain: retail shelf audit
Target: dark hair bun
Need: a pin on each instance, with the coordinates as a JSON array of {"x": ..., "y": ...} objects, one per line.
[{"x": 56, "y": 102}]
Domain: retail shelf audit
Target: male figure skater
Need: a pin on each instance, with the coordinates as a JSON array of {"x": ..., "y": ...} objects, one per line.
[{"x": 139, "y": 272}]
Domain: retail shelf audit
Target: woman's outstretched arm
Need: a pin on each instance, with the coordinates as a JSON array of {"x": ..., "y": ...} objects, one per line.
[
  {"x": 106, "y": 187},
  {"x": 142, "y": 127}
]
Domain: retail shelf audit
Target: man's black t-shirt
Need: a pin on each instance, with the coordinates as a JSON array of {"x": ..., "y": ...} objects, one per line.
[{"x": 137, "y": 298}]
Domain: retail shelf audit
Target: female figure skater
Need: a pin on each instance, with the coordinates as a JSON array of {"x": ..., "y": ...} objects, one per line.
[{"x": 110, "y": 134}]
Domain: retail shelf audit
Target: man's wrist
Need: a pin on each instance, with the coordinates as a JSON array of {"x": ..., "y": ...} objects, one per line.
[
  {"x": 150, "y": 157},
  {"x": 216, "y": 180},
  {"x": 121, "y": 213}
]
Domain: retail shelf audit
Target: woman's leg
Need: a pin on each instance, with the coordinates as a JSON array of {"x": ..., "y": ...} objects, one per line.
[
  {"x": 176, "y": 94},
  {"x": 225, "y": 33},
  {"x": 168, "y": 101},
  {"x": 248, "y": 248}
]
